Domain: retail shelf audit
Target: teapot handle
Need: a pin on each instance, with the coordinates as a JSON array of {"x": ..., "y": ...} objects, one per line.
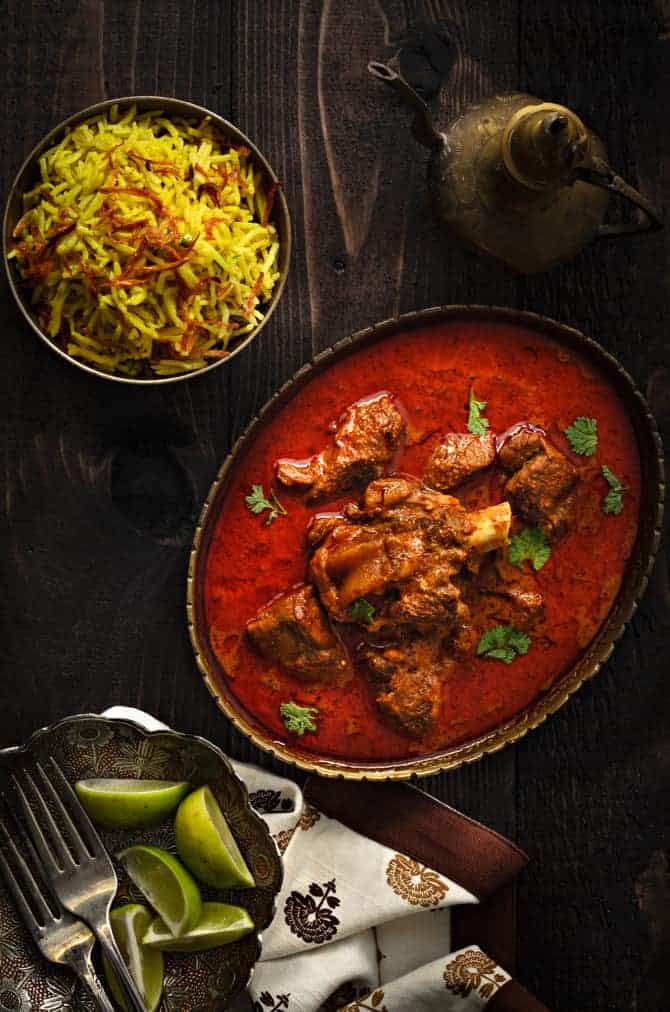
[
  {"x": 422, "y": 126},
  {"x": 599, "y": 173}
]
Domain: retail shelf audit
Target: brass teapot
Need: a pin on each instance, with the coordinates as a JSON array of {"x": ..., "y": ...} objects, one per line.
[{"x": 519, "y": 179}]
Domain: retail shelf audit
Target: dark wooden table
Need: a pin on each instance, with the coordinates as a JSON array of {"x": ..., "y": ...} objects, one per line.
[{"x": 102, "y": 484}]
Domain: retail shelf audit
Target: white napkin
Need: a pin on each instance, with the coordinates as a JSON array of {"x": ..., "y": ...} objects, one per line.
[
  {"x": 364, "y": 920},
  {"x": 355, "y": 914}
]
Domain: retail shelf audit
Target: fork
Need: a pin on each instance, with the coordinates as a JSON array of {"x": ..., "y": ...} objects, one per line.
[
  {"x": 61, "y": 938},
  {"x": 82, "y": 875}
]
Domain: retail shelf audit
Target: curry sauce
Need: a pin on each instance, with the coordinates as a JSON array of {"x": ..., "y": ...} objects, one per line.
[{"x": 523, "y": 376}]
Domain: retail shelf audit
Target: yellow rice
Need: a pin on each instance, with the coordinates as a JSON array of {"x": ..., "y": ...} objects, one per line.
[{"x": 152, "y": 283}]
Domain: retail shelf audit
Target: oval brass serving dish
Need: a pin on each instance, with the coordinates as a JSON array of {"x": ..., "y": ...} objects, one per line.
[
  {"x": 88, "y": 745},
  {"x": 588, "y": 663},
  {"x": 29, "y": 171}
]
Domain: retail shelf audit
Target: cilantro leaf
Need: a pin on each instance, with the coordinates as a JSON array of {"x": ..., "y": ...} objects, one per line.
[
  {"x": 531, "y": 543},
  {"x": 503, "y": 643},
  {"x": 256, "y": 503},
  {"x": 298, "y": 719},
  {"x": 477, "y": 424},
  {"x": 583, "y": 435},
  {"x": 613, "y": 501},
  {"x": 361, "y": 610},
  {"x": 505, "y": 654}
]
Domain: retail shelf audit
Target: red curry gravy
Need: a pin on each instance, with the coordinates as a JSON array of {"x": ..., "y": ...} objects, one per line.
[{"x": 523, "y": 376}]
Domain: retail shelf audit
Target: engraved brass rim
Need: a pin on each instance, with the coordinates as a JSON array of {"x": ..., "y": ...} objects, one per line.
[
  {"x": 597, "y": 653},
  {"x": 172, "y": 107}
]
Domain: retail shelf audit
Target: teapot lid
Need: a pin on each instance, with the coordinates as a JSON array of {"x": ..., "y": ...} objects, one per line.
[{"x": 543, "y": 145}]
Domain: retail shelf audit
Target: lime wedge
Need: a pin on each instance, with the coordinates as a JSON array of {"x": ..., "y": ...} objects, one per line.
[
  {"x": 169, "y": 888},
  {"x": 219, "y": 924},
  {"x": 129, "y": 924},
  {"x": 206, "y": 844},
  {"x": 130, "y": 803}
]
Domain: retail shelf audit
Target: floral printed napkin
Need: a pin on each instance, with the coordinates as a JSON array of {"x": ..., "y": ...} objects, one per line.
[
  {"x": 375, "y": 875},
  {"x": 376, "y": 878}
]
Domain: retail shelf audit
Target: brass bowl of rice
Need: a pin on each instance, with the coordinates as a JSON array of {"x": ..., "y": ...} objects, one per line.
[{"x": 146, "y": 240}]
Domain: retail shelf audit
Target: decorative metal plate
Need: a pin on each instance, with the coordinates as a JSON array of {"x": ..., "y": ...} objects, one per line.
[
  {"x": 93, "y": 746},
  {"x": 589, "y": 662}
]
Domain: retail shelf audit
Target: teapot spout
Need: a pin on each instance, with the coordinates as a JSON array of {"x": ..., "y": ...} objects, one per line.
[{"x": 423, "y": 127}]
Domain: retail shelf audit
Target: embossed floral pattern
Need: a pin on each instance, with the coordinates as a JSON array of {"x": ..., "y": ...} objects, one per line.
[
  {"x": 220, "y": 982},
  {"x": 14, "y": 997},
  {"x": 311, "y": 916},
  {"x": 89, "y": 739},
  {"x": 60, "y": 998},
  {"x": 420, "y": 886},
  {"x": 470, "y": 971},
  {"x": 143, "y": 758},
  {"x": 91, "y": 735},
  {"x": 177, "y": 995}
]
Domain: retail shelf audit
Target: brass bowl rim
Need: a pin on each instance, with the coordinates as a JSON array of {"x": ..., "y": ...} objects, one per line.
[
  {"x": 11, "y": 752},
  {"x": 173, "y": 107},
  {"x": 585, "y": 667}
]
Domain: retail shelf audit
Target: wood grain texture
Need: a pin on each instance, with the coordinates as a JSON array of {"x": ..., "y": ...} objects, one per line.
[
  {"x": 101, "y": 485},
  {"x": 592, "y": 806}
]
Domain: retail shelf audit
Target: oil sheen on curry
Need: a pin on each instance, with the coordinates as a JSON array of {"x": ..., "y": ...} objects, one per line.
[{"x": 443, "y": 526}]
